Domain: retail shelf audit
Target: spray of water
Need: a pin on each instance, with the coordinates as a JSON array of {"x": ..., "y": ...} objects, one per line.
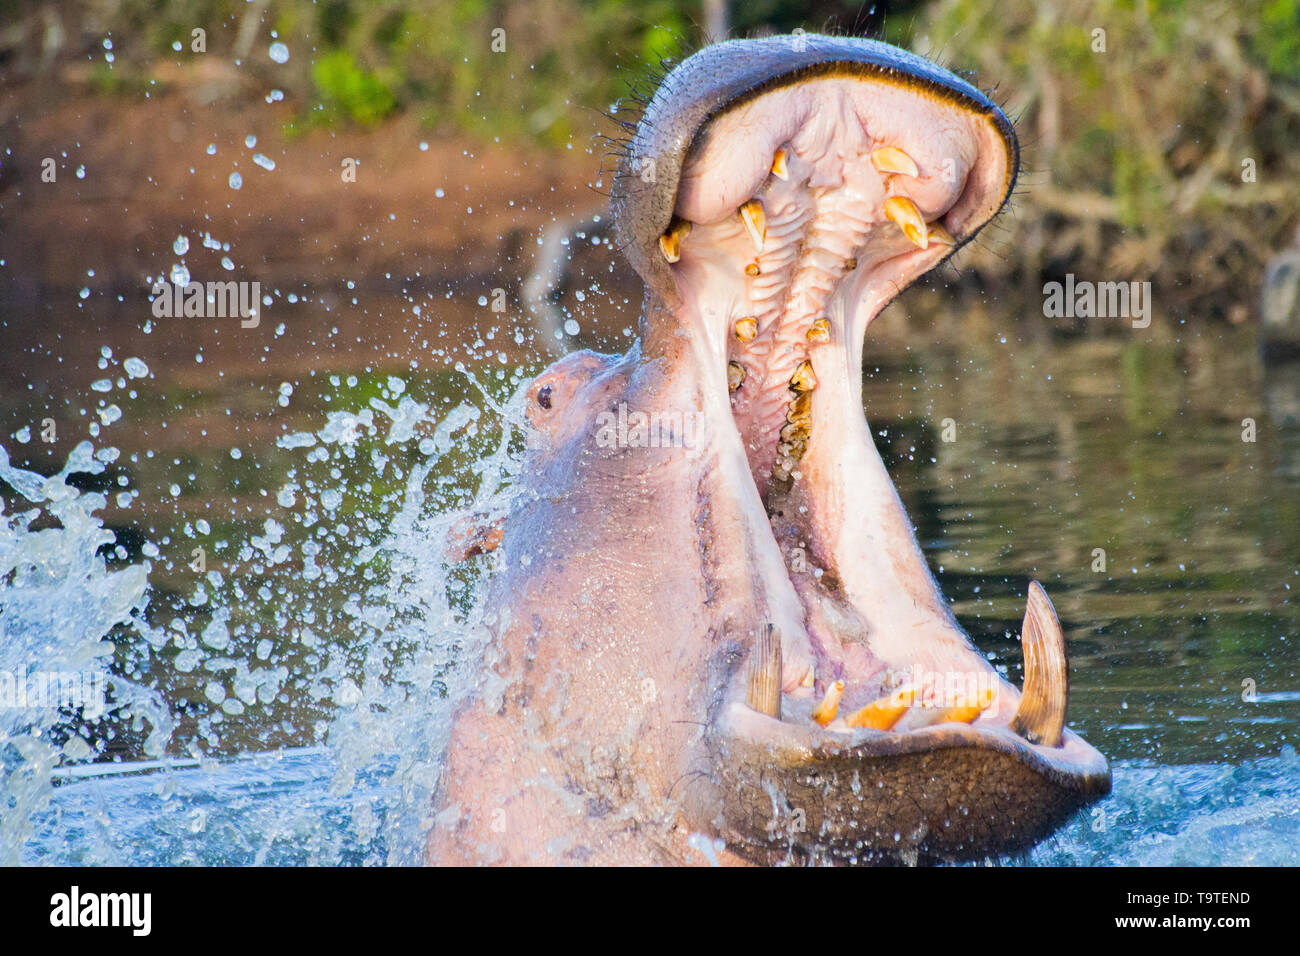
[{"x": 349, "y": 623}]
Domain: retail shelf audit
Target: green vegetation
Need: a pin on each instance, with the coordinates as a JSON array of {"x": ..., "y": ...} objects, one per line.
[{"x": 1159, "y": 134}]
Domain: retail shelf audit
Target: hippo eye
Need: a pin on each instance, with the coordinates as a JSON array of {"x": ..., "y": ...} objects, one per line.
[{"x": 544, "y": 396}]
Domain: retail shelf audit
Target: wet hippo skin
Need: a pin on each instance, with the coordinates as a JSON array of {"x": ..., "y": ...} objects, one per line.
[{"x": 714, "y": 636}]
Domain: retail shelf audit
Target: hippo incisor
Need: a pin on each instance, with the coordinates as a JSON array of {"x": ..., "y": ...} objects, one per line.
[{"x": 714, "y": 637}]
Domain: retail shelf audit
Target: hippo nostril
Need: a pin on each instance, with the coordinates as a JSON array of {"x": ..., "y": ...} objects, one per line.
[{"x": 544, "y": 396}]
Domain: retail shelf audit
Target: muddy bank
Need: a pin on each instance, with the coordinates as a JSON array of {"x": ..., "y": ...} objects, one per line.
[{"x": 391, "y": 205}]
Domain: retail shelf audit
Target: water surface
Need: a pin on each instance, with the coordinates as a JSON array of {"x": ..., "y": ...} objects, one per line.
[{"x": 287, "y": 663}]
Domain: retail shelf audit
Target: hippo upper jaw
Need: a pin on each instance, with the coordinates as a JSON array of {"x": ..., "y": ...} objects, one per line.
[{"x": 796, "y": 186}]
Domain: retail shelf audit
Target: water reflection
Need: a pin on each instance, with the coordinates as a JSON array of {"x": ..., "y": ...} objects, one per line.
[{"x": 266, "y": 472}]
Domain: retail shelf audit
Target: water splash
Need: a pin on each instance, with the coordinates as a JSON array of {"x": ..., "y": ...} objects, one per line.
[
  {"x": 61, "y": 612},
  {"x": 371, "y": 639}
]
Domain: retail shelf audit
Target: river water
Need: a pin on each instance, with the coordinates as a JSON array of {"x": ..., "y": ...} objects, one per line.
[{"x": 241, "y": 544}]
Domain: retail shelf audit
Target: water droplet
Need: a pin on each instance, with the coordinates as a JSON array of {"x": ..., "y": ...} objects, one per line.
[
  {"x": 279, "y": 52},
  {"x": 236, "y": 181},
  {"x": 181, "y": 245},
  {"x": 265, "y": 162}
]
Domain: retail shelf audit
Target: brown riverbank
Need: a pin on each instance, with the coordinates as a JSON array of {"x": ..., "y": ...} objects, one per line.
[{"x": 131, "y": 174}]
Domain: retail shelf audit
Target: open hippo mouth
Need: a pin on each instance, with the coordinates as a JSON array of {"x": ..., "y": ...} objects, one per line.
[{"x": 776, "y": 195}]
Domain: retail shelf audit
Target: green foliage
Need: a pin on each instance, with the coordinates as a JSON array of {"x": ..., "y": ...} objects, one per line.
[
  {"x": 349, "y": 91},
  {"x": 1277, "y": 41}
]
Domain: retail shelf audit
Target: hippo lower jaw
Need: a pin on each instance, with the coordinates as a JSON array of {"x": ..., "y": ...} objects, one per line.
[{"x": 857, "y": 722}]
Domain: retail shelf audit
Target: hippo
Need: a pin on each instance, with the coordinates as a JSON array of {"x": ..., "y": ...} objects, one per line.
[{"x": 714, "y": 638}]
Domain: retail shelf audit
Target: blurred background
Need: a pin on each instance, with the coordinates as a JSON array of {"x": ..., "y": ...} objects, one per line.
[
  {"x": 1149, "y": 477},
  {"x": 1159, "y": 135}
]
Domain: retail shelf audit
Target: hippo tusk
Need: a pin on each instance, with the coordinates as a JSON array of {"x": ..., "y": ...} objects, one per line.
[
  {"x": 670, "y": 243},
  {"x": 765, "y": 672},
  {"x": 891, "y": 159},
  {"x": 825, "y": 712},
  {"x": 882, "y": 714},
  {"x": 1041, "y": 714},
  {"x": 781, "y": 164},
  {"x": 755, "y": 220},
  {"x": 903, "y": 213}
]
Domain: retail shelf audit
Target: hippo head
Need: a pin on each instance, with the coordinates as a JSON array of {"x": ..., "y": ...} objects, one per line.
[
  {"x": 734, "y": 635},
  {"x": 774, "y": 197}
]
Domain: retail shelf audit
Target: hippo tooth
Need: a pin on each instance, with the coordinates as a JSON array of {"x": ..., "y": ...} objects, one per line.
[
  {"x": 670, "y": 243},
  {"x": 1041, "y": 714},
  {"x": 752, "y": 270},
  {"x": 819, "y": 331},
  {"x": 793, "y": 443},
  {"x": 891, "y": 159},
  {"x": 755, "y": 220},
  {"x": 799, "y": 411},
  {"x": 903, "y": 213},
  {"x": 968, "y": 710},
  {"x": 794, "y": 432},
  {"x": 735, "y": 375},
  {"x": 765, "y": 672},
  {"x": 939, "y": 234},
  {"x": 825, "y": 712},
  {"x": 809, "y": 678},
  {"x": 882, "y": 714},
  {"x": 781, "y": 164},
  {"x": 803, "y": 379},
  {"x": 746, "y": 328}
]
